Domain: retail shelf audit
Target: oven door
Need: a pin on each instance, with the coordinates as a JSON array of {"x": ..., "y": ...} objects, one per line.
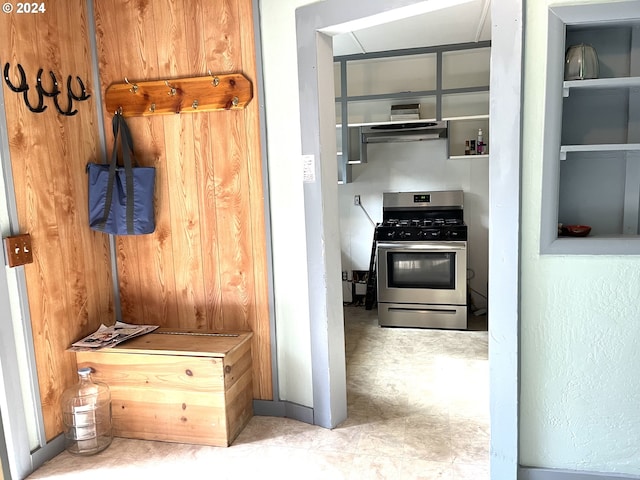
[{"x": 422, "y": 272}]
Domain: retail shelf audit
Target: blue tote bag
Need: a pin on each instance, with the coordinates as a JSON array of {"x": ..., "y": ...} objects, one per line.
[{"x": 121, "y": 197}]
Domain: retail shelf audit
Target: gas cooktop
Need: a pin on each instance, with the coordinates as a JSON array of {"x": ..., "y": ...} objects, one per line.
[
  {"x": 421, "y": 216},
  {"x": 402, "y": 231}
]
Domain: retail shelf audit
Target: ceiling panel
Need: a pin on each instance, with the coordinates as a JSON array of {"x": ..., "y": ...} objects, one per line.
[{"x": 464, "y": 23}]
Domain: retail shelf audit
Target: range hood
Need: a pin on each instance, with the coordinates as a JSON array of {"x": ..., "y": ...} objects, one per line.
[{"x": 403, "y": 132}]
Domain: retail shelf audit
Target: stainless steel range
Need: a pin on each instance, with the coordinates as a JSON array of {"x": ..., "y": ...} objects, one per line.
[{"x": 422, "y": 260}]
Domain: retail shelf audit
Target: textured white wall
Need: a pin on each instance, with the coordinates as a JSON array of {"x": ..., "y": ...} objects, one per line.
[{"x": 580, "y": 393}]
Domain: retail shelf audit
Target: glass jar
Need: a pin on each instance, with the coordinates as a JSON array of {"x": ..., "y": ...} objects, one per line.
[{"x": 86, "y": 412}]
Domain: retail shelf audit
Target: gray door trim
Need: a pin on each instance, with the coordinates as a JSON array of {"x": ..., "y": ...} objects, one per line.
[
  {"x": 12, "y": 410},
  {"x": 4, "y": 458},
  {"x": 527, "y": 473},
  {"x": 504, "y": 233}
]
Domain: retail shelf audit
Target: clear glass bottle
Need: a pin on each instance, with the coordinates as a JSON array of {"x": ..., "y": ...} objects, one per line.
[{"x": 86, "y": 412}]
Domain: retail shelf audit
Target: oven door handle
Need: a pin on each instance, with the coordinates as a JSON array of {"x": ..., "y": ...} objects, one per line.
[
  {"x": 426, "y": 246},
  {"x": 426, "y": 311}
]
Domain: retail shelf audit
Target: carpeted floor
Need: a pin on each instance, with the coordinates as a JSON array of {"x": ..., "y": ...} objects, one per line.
[{"x": 417, "y": 405}]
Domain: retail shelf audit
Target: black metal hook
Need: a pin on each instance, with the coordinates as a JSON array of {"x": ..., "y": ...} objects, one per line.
[
  {"x": 55, "y": 91},
  {"x": 23, "y": 79},
  {"x": 83, "y": 94},
  {"x": 69, "y": 111},
  {"x": 41, "y": 107}
]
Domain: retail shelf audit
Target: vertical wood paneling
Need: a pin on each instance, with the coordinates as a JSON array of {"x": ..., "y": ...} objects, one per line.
[
  {"x": 204, "y": 137},
  {"x": 181, "y": 167},
  {"x": 205, "y": 266},
  {"x": 148, "y": 289},
  {"x": 259, "y": 326},
  {"x": 69, "y": 283},
  {"x": 233, "y": 217}
]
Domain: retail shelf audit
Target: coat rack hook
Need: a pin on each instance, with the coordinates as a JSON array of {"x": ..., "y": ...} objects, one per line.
[
  {"x": 216, "y": 81},
  {"x": 41, "y": 107},
  {"x": 235, "y": 101},
  {"x": 54, "y": 91},
  {"x": 83, "y": 91},
  {"x": 152, "y": 108},
  {"x": 134, "y": 87},
  {"x": 194, "y": 105},
  {"x": 172, "y": 90},
  {"x": 23, "y": 87},
  {"x": 69, "y": 112},
  {"x": 119, "y": 110}
]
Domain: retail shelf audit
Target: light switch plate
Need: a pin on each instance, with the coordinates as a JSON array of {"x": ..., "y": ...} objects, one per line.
[{"x": 18, "y": 250}]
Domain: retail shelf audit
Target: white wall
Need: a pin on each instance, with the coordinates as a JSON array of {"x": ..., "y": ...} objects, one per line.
[
  {"x": 278, "y": 29},
  {"x": 396, "y": 167},
  {"x": 580, "y": 394}
]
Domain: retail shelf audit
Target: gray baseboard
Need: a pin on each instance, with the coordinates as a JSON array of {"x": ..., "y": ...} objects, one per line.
[
  {"x": 52, "y": 449},
  {"x": 527, "y": 473},
  {"x": 267, "y": 408}
]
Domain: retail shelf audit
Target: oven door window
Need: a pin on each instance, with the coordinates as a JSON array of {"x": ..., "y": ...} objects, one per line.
[{"x": 434, "y": 270}]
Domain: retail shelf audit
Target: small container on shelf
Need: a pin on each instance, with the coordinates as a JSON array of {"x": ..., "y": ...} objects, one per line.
[
  {"x": 581, "y": 62},
  {"x": 573, "y": 230},
  {"x": 480, "y": 143}
]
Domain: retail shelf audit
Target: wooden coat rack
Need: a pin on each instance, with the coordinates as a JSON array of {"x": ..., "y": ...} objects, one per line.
[{"x": 181, "y": 95}]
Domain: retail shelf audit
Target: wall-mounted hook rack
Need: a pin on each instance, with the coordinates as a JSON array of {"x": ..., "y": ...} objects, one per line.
[{"x": 230, "y": 91}]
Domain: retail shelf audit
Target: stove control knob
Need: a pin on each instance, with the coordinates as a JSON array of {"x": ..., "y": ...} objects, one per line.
[
  {"x": 391, "y": 234},
  {"x": 404, "y": 234}
]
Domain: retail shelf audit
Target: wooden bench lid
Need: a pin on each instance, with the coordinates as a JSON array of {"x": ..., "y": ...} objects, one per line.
[{"x": 199, "y": 343}]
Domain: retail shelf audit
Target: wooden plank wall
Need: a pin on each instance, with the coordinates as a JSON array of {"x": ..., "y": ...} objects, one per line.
[
  {"x": 69, "y": 283},
  {"x": 205, "y": 265}
]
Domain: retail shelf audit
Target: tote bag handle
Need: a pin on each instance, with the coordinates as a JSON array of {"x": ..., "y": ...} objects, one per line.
[{"x": 120, "y": 129}]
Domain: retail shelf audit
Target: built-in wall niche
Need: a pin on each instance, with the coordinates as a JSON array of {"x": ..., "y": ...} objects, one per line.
[{"x": 591, "y": 173}]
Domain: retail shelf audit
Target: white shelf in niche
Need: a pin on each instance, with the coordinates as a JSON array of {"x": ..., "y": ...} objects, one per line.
[
  {"x": 388, "y": 122},
  {"x": 607, "y": 147},
  {"x": 470, "y": 157},
  {"x": 598, "y": 83},
  {"x": 467, "y": 117}
]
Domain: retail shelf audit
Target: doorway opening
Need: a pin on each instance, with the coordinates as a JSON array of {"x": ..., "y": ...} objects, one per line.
[{"x": 315, "y": 23}]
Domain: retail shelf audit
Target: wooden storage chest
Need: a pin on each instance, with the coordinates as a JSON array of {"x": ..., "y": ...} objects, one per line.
[{"x": 177, "y": 386}]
